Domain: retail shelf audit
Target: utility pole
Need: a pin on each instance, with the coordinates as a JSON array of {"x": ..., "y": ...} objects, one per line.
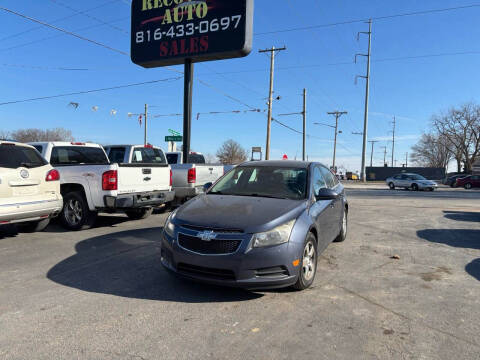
[
  {"x": 337, "y": 116},
  {"x": 406, "y": 160},
  {"x": 146, "y": 125},
  {"x": 393, "y": 140},
  {"x": 304, "y": 124},
  {"x": 384, "y": 154},
  {"x": 367, "y": 93},
  {"x": 371, "y": 156},
  {"x": 272, "y": 52}
]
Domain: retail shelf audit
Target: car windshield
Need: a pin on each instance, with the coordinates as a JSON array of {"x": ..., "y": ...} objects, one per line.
[
  {"x": 145, "y": 155},
  {"x": 78, "y": 155},
  {"x": 417, "y": 177},
  {"x": 13, "y": 157},
  {"x": 263, "y": 181}
]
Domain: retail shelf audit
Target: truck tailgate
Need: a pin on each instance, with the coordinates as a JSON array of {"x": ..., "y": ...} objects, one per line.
[
  {"x": 135, "y": 178},
  {"x": 208, "y": 173}
]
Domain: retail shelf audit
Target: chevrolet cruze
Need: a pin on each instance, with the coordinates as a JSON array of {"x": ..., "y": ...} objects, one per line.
[{"x": 262, "y": 225}]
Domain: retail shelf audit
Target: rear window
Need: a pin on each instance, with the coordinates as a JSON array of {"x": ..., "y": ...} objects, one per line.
[
  {"x": 13, "y": 157},
  {"x": 116, "y": 155},
  {"x": 148, "y": 156},
  {"x": 172, "y": 158},
  {"x": 78, "y": 155},
  {"x": 39, "y": 148},
  {"x": 196, "y": 159}
]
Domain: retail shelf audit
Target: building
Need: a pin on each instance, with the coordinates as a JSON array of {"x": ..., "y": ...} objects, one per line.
[{"x": 382, "y": 173}]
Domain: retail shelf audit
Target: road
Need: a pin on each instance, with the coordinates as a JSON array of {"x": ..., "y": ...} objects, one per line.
[{"x": 404, "y": 285}]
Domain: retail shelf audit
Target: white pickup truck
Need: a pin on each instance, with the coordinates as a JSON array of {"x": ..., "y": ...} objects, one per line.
[
  {"x": 189, "y": 179},
  {"x": 90, "y": 183}
]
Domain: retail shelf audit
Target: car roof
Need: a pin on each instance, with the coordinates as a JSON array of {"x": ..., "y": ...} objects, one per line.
[
  {"x": 125, "y": 145},
  {"x": 16, "y": 143},
  {"x": 66, "y": 143},
  {"x": 280, "y": 164}
]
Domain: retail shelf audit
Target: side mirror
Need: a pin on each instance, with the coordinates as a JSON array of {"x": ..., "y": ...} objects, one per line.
[
  {"x": 326, "y": 194},
  {"x": 207, "y": 186}
]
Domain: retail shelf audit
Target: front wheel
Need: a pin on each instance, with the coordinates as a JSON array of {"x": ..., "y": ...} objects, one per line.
[
  {"x": 139, "y": 214},
  {"x": 391, "y": 186},
  {"x": 75, "y": 214},
  {"x": 468, "y": 186},
  {"x": 308, "y": 264},
  {"x": 343, "y": 231},
  {"x": 414, "y": 187}
]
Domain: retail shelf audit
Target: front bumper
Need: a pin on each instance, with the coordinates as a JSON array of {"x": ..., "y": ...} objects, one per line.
[
  {"x": 249, "y": 268},
  {"x": 138, "y": 200},
  {"x": 30, "y": 211}
]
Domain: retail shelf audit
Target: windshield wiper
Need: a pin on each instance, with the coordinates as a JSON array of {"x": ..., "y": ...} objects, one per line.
[{"x": 266, "y": 196}]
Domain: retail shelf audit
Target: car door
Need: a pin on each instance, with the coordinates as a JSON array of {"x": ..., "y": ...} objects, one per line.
[
  {"x": 476, "y": 181},
  {"x": 397, "y": 180},
  {"x": 322, "y": 211},
  {"x": 334, "y": 184}
]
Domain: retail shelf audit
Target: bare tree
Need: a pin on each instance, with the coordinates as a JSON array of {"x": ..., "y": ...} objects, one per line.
[
  {"x": 431, "y": 151},
  {"x": 461, "y": 128},
  {"x": 231, "y": 152},
  {"x": 4, "y": 134},
  {"x": 210, "y": 159},
  {"x": 32, "y": 135}
]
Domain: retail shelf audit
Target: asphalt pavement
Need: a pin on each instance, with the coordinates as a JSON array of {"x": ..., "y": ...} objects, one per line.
[{"x": 404, "y": 285}]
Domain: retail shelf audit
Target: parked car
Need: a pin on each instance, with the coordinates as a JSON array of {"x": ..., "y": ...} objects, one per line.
[
  {"x": 411, "y": 181},
  {"x": 29, "y": 187},
  {"x": 153, "y": 162},
  {"x": 469, "y": 182},
  {"x": 189, "y": 179},
  {"x": 262, "y": 225},
  {"x": 452, "y": 180},
  {"x": 91, "y": 184}
]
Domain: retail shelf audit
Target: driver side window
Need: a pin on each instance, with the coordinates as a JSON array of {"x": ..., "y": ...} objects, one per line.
[{"x": 318, "y": 181}]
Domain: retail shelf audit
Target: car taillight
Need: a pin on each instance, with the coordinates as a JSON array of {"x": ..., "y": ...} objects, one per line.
[
  {"x": 171, "y": 178},
  {"x": 78, "y": 143},
  {"x": 110, "y": 180},
  {"x": 192, "y": 176},
  {"x": 53, "y": 175}
]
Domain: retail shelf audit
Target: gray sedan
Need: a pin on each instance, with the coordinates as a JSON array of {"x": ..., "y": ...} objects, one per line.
[
  {"x": 262, "y": 225},
  {"x": 411, "y": 181}
]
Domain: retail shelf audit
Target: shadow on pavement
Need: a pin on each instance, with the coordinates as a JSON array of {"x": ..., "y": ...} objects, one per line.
[
  {"x": 127, "y": 264},
  {"x": 462, "y": 215},
  {"x": 8, "y": 231},
  {"x": 473, "y": 268},
  {"x": 102, "y": 221},
  {"x": 461, "y": 238},
  {"x": 469, "y": 239}
]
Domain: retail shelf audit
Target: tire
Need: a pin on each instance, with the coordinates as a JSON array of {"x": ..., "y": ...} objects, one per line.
[
  {"x": 344, "y": 228},
  {"x": 308, "y": 271},
  {"x": 36, "y": 226},
  {"x": 467, "y": 186},
  {"x": 139, "y": 214},
  {"x": 414, "y": 187},
  {"x": 391, "y": 186},
  {"x": 432, "y": 189},
  {"x": 75, "y": 214}
]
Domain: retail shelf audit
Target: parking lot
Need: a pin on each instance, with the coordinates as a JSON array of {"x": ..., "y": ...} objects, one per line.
[{"x": 404, "y": 285}]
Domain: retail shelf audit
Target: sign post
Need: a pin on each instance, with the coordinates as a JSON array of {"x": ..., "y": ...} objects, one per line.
[{"x": 166, "y": 32}]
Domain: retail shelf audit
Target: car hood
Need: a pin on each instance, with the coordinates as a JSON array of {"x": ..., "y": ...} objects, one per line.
[{"x": 249, "y": 214}]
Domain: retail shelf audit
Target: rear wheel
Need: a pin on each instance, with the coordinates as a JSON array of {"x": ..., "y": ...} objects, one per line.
[
  {"x": 308, "y": 264},
  {"x": 414, "y": 187},
  {"x": 139, "y": 214},
  {"x": 35, "y": 226},
  {"x": 391, "y": 186},
  {"x": 75, "y": 214},
  {"x": 467, "y": 186}
]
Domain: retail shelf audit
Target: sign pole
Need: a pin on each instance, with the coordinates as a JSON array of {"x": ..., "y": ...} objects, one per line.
[
  {"x": 146, "y": 129},
  {"x": 187, "y": 109}
]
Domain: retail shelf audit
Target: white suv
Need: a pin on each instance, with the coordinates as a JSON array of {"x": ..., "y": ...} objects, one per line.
[{"x": 29, "y": 187}]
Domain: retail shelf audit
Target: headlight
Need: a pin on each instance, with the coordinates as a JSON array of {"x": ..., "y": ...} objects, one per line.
[
  {"x": 279, "y": 235},
  {"x": 169, "y": 227}
]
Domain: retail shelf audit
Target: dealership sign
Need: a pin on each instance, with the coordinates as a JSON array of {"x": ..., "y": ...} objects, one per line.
[{"x": 167, "y": 32}]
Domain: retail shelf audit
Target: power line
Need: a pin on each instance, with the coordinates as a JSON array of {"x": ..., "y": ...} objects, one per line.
[
  {"x": 43, "y": 67},
  {"x": 347, "y": 22},
  {"x": 90, "y": 16},
  {"x": 63, "y": 30},
  {"x": 89, "y": 91},
  {"x": 57, "y": 20}
]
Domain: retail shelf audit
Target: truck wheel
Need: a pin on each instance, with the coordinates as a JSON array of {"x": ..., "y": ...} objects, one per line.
[
  {"x": 35, "y": 226},
  {"x": 139, "y": 214},
  {"x": 75, "y": 214}
]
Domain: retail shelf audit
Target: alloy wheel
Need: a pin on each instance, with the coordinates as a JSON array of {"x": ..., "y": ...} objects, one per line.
[
  {"x": 73, "y": 212},
  {"x": 309, "y": 261}
]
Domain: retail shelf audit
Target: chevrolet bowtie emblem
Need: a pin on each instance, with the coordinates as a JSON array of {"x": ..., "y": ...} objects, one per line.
[{"x": 207, "y": 235}]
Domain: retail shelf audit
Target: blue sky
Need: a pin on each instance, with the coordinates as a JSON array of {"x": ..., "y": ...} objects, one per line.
[{"x": 411, "y": 89}]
